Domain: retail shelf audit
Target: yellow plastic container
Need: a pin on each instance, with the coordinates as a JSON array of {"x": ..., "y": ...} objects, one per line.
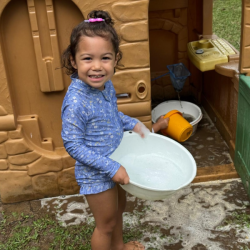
[
  {"x": 178, "y": 127},
  {"x": 206, "y": 53}
]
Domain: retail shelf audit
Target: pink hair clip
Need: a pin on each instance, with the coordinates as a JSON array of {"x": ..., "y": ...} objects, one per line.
[{"x": 93, "y": 20}]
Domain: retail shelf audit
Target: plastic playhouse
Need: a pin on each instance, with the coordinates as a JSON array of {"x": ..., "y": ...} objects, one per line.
[{"x": 154, "y": 34}]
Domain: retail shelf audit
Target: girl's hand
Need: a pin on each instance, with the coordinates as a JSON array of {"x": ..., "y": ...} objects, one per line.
[
  {"x": 121, "y": 176},
  {"x": 141, "y": 129},
  {"x": 161, "y": 123}
]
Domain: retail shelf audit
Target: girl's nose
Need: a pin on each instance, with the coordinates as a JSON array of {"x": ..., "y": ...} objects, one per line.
[{"x": 97, "y": 65}]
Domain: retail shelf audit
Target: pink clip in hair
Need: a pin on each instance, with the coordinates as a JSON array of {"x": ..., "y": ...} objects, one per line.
[{"x": 93, "y": 20}]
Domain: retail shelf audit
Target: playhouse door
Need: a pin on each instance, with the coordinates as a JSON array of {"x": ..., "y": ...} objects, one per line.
[
  {"x": 242, "y": 156},
  {"x": 33, "y": 36}
]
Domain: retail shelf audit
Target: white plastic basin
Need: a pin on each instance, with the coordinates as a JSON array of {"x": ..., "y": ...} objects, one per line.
[
  {"x": 186, "y": 108},
  {"x": 157, "y": 165}
]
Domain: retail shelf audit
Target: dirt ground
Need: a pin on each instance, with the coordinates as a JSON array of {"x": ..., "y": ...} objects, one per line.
[{"x": 212, "y": 215}]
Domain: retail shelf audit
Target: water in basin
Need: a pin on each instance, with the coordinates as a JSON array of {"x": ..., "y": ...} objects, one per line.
[
  {"x": 154, "y": 171},
  {"x": 188, "y": 117}
]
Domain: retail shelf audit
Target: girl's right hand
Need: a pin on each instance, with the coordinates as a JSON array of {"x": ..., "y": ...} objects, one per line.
[{"x": 121, "y": 176}]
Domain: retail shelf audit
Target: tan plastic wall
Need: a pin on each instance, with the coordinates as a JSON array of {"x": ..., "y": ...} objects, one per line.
[
  {"x": 245, "y": 38},
  {"x": 33, "y": 162}
]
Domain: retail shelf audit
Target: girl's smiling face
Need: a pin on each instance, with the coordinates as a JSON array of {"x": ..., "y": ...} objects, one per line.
[{"x": 95, "y": 61}]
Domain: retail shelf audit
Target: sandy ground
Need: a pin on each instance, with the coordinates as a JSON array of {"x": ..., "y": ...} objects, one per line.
[{"x": 200, "y": 216}]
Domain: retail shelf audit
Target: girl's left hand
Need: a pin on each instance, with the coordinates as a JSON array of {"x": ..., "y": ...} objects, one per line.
[
  {"x": 141, "y": 129},
  {"x": 161, "y": 123}
]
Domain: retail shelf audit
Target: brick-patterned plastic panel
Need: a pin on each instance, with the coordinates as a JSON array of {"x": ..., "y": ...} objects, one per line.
[{"x": 245, "y": 38}]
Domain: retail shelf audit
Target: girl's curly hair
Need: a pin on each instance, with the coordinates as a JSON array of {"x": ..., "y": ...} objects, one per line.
[{"x": 103, "y": 29}]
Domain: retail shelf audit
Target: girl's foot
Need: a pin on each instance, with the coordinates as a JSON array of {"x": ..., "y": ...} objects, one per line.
[{"x": 134, "y": 245}]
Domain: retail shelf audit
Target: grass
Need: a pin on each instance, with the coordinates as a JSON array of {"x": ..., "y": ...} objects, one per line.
[
  {"x": 44, "y": 232},
  {"x": 241, "y": 220},
  {"x": 19, "y": 232},
  {"x": 40, "y": 232},
  {"x": 227, "y": 20}
]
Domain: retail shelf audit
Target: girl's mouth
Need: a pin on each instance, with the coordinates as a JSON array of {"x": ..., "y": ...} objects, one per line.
[{"x": 96, "y": 76}]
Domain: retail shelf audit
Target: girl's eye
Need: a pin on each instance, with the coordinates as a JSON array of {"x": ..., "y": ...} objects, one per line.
[
  {"x": 106, "y": 58},
  {"x": 87, "y": 58}
]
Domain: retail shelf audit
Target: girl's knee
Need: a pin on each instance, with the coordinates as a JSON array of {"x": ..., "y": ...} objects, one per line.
[{"x": 108, "y": 226}]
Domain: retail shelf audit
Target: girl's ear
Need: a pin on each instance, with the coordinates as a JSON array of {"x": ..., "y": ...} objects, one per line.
[
  {"x": 116, "y": 59},
  {"x": 73, "y": 63}
]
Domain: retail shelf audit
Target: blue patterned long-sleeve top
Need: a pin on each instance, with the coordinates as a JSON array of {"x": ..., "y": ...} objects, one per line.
[{"x": 92, "y": 128}]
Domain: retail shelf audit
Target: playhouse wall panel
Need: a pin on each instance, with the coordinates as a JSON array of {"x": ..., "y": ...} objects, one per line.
[
  {"x": 16, "y": 186},
  {"x": 245, "y": 39},
  {"x": 33, "y": 161},
  {"x": 220, "y": 99},
  {"x": 3, "y": 165}
]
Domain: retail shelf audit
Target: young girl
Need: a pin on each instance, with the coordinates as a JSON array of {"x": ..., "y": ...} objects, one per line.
[{"x": 92, "y": 126}]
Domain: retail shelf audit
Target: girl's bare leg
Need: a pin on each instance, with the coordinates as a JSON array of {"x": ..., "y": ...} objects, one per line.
[
  {"x": 117, "y": 239},
  {"x": 117, "y": 236},
  {"x": 107, "y": 208},
  {"x": 104, "y": 207}
]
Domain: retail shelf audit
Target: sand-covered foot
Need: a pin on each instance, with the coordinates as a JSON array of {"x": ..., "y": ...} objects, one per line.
[{"x": 134, "y": 245}]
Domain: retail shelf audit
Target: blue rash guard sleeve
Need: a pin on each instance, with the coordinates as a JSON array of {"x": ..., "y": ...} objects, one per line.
[
  {"x": 127, "y": 121},
  {"x": 73, "y": 130}
]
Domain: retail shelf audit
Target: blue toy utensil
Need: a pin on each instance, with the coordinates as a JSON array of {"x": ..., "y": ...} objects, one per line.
[{"x": 178, "y": 75}]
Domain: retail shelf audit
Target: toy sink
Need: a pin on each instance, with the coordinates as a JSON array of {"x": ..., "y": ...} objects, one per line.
[
  {"x": 157, "y": 166},
  {"x": 206, "y": 53}
]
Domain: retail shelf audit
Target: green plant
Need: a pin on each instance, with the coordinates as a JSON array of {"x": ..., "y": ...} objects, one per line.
[{"x": 240, "y": 219}]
